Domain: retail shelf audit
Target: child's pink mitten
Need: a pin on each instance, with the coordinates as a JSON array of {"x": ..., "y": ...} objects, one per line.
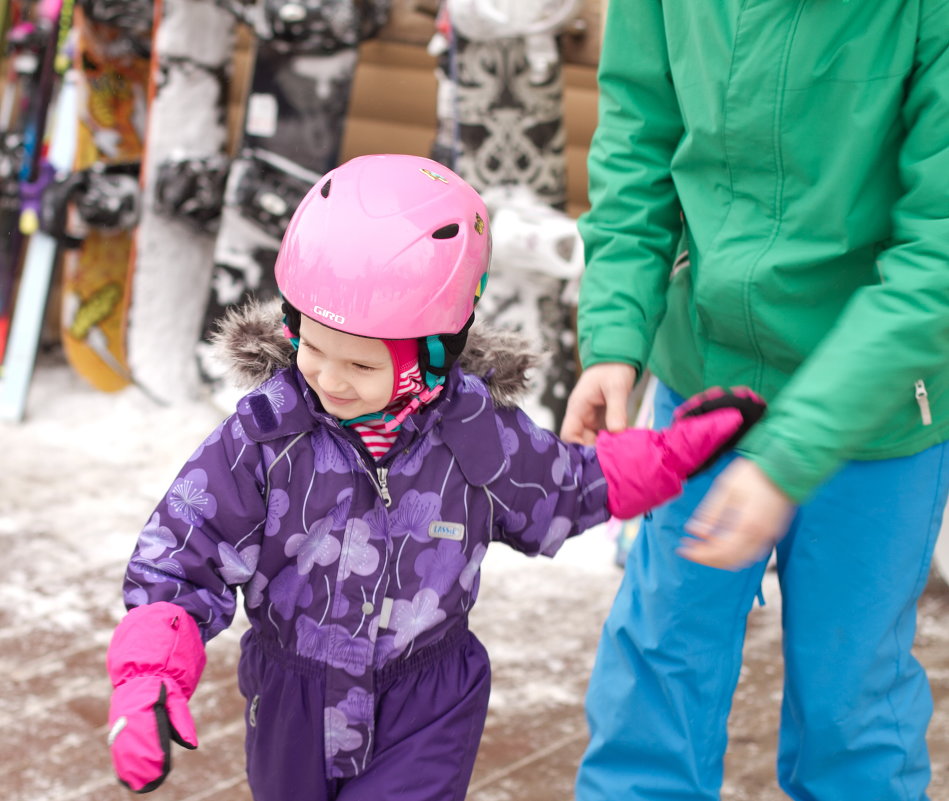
[
  {"x": 645, "y": 468},
  {"x": 154, "y": 660}
]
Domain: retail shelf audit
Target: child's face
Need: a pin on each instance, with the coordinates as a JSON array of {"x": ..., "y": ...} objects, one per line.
[{"x": 351, "y": 375}]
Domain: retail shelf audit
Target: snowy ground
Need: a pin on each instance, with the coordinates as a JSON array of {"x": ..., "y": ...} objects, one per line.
[{"x": 81, "y": 476}]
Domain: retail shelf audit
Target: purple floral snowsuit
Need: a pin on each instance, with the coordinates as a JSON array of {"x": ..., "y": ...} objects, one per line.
[{"x": 358, "y": 577}]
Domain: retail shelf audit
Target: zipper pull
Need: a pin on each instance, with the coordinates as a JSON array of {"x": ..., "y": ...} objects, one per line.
[
  {"x": 922, "y": 398},
  {"x": 383, "y": 473}
]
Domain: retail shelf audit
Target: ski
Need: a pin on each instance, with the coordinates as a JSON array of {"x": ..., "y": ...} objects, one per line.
[{"x": 38, "y": 266}]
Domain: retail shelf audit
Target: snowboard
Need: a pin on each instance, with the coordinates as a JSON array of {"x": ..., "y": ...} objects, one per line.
[
  {"x": 183, "y": 174},
  {"x": 305, "y": 60},
  {"x": 500, "y": 126},
  {"x": 112, "y": 65}
]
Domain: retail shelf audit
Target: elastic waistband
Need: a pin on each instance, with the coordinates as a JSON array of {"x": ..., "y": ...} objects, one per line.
[
  {"x": 309, "y": 667},
  {"x": 424, "y": 656}
]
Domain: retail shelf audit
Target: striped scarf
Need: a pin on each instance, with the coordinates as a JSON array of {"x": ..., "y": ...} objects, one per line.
[{"x": 379, "y": 430}]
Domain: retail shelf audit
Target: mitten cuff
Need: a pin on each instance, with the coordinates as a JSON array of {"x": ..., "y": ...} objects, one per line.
[{"x": 159, "y": 639}]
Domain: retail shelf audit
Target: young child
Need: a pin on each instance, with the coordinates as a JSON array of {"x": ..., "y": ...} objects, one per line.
[{"x": 352, "y": 497}]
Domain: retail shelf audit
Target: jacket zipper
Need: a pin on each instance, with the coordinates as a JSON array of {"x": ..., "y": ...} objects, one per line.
[
  {"x": 383, "y": 485},
  {"x": 922, "y": 398}
]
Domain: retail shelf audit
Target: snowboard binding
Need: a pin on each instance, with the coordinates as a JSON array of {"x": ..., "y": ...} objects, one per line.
[{"x": 192, "y": 190}]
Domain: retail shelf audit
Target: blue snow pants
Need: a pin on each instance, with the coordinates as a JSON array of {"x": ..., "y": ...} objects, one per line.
[{"x": 856, "y": 702}]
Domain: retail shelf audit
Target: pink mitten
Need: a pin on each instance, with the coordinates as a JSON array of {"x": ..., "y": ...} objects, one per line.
[
  {"x": 645, "y": 468},
  {"x": 154, "y": 660}
]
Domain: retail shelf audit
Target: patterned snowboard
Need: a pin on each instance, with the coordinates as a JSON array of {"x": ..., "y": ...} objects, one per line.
[
  {"x": 293, "y": 128},
  {"x": 500, "y": 126},
  {"x": 182, "y": 183},
  {"x": 113, "y": 73}
]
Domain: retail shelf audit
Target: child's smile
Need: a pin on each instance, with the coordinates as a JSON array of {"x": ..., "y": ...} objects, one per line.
[{"x": 351, "y": 375}]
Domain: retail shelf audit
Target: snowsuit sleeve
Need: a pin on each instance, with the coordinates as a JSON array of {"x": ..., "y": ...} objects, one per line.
[
  {"x": 890, "y": 334},
  {"x": 548, "y": 490},
  {"x": 632, "y": 230},
  {"x": 202, "y": 541}
]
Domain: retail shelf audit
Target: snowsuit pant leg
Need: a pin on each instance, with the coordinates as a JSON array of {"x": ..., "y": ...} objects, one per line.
[
  {"x": 670, "y": 653},
  {"x": 284, "y": 719},
  {"x": 856, "y": 701},
  {"x": 667, "y": 663},
  {"x": 430, "y": 716}
]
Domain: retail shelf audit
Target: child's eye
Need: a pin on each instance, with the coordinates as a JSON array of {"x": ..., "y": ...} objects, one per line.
[{"x": 365, "y": 368}]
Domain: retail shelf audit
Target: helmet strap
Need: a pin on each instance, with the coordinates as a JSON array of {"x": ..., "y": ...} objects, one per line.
[
  {"x": 437, "y": 354},
  {"x": 291, "y": 324}
]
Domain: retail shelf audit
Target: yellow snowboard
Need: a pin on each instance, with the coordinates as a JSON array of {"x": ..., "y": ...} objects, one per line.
[{"x": 96, "y": 276}]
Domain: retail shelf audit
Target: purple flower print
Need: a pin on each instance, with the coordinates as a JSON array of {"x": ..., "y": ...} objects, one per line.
[
  {"x": 541, "y": 516},
  {"x": 279, "y": 395},
  {"x": 262, "y": 465},
  {"x": 358, "y": 706},
  {"x": 385, "y": 649},
  {"x": 222, "y": 608},
  {"x": 378, "y": 521},
  {"x": 512, "y": 520},
  {"x": 238, "y": 434},
  {"x": 556, "y": 534},
  {"x": 509, "y": 441},
  {"x": 337, "y": 734},
  {"x": 254, "y": 592},
  {"x": 213, "y": 437},
  {"x": 351, "y": 654},
  {"x": 416, "y": 511},
  {"x": 471, "y": 385},
  {"x": 540, "y": 439},
  {"x": 561, "y": 470},
  {"x": 135, "y": 597},
  {"x": 156, "y": 572},
  {"x": 411, "y": 463},
  {"x": 341, "y": 512},
  {"x": 328, "y": 456},
  {"x": 155, "y": 538},
  {"x": 473, "y": 568},
  {"x": 359, "y": 556},
  {"x": 237, "y": 567},
  {"x": 290, "y": 590},
  {"x": 411, "y": 618},
  {"x": 276, "y": 509},
  {"x": 189, "y": 500},
  {"x": 317, "y": 546},
  {"x": 440, "y": 567},
  {"x": 334, "y": 645}
]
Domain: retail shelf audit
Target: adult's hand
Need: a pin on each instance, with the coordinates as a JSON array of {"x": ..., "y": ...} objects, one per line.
[
  {"x": 740, "y": 519},
  {"x": 598, "y": 401}
]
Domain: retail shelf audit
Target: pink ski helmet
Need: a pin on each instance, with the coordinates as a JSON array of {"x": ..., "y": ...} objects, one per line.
[{"x": 389, "y": 247}]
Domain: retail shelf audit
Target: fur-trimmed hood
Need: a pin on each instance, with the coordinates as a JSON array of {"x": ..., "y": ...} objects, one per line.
[{"x": 250, "y": 340}]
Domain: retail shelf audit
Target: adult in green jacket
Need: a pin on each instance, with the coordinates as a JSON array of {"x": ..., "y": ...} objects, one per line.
[{"x": 769, "y": 185}]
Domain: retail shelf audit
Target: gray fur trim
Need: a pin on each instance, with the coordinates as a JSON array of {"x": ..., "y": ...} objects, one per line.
[{"x": 250, "y": 339}]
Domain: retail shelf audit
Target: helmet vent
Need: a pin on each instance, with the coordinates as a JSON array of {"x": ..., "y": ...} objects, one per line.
[
  {"x": 446, "y": 232},
  {"x": 325, "y": 189}
]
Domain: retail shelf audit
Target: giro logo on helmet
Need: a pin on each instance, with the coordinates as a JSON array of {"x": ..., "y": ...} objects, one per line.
[{"x": 319, "y": 311}]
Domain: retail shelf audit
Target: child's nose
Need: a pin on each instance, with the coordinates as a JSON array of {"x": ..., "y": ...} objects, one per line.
[{"x": 331, "y": 380}]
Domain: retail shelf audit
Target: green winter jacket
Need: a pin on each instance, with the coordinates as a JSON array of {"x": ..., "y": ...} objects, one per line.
[{"x": 799, "y": 150}]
